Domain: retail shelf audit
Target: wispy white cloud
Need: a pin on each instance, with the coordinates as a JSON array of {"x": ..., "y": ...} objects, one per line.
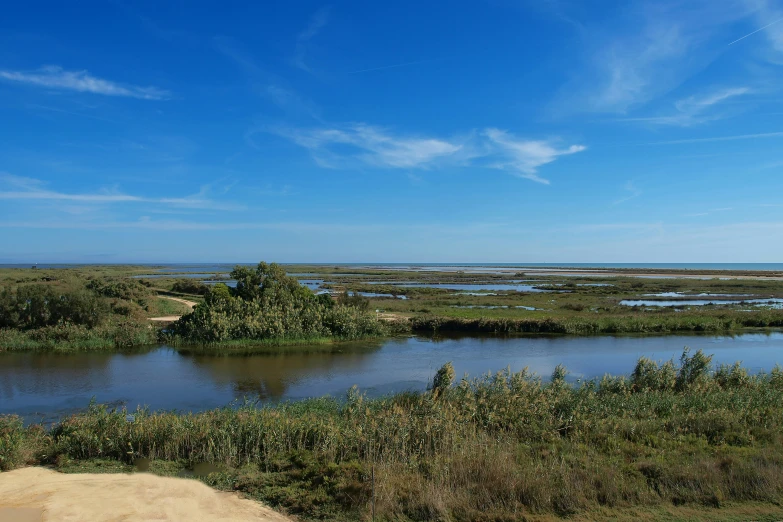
[
  {"x": 633, "y": 192},
  {"x": 163, "y": 225},
  {"x": 370, "y": 145},
  {"x": 22, "y": 188},
  {"x": 720, "y": 138},
  {"x": 317, "y": 22},
  {"x": 644, "y": 51},
  {"x": 757, "y": 30},
  {"x": 21, "y": 182},
  {"x": 350, "y": 145},
  {"x": 710, "y": 211},
  {"x": 772, "y": 165},
  {"x": 695, "y": 104},
  {"x": 695, "y": 109},
  {"x": 268, "y": 85},
  {"x": 54, "y": 77},
  {"x": 524, "y": 157},
  {"x": 394, "y": 66},
  {"x": 633, "y": 71},
  {"x": 768, "y": 15}
]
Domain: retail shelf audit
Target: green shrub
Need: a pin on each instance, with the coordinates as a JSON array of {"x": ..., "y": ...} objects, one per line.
[
  {"x": 649, "y": 376},
  {"x": 443, "y": 379},
  {"x": 694, "y": 369},
  {"x": 734, "y": 376},
  {"x": 190, "y": 286},
  {"x": 40, "y": 305},
  {"x": 268, "y": 304}
]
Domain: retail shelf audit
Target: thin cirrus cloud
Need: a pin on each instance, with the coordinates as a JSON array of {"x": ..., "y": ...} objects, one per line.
[
  {"x": 647, "y": 50},
  {"x": 317, "y": 22},
  {"x": 769, "y": 18},
  {"x": 695, "y": 110},
  {"x": 370, "y": 145},
  {"x": 361, "y": 144},
  {"x": 54, "y": 77},
  {"x": 634, "y": 72},
  {"x": 22, "y": 188}
]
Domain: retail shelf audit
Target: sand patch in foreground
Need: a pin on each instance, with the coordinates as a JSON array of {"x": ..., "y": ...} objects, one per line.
[{"x": 39, "y": 494}]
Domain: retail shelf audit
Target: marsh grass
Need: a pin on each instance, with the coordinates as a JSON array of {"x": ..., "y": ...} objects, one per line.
[
  {"x": 276, "y": 346},
  {"x": 110, "y": 336},
  {"x": 600, "y": 324},
  {"x": 499, "y": 447}
]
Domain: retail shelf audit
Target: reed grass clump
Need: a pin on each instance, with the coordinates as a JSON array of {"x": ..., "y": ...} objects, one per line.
[{"x": 497, "y": 447}]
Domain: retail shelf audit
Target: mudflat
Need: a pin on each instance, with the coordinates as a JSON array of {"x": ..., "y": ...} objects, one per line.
[{"x": 39, "y": 494}]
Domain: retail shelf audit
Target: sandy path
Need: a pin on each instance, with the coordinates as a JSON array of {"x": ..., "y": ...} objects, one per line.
[
  {"x": 191, "y": 304},
  {"x": 38, "y": 494},
  {"x": 170, "y": 318},
  {"x": 390, "y": 316}
]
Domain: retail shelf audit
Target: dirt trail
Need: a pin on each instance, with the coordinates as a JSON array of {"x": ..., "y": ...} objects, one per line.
[
  {"x": 43, "y": 495},
  {"x": 390, "y": 316},
  {"x": 171, "y": 318}
]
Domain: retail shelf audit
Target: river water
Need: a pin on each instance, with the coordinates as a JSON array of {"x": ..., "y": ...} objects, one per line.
[{"x": 46, "y": 386}]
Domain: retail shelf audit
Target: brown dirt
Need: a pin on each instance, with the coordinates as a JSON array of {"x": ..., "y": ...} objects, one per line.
[
  {"x": 43, "y": 495},
  {"x": 390, "y": 316},
  {"x": 172, "y": 318}
]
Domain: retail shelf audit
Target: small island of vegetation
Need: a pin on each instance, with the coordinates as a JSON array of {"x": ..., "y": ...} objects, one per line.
[{"x": 268, "y": 306}]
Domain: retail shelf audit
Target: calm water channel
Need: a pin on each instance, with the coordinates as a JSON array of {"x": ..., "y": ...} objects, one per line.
[{"x": 42, "y": 386}]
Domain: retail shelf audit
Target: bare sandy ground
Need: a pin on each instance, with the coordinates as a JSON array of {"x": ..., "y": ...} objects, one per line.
[
  {"x": 42, "y": 495},
  {"x": 170, "y": 318}
]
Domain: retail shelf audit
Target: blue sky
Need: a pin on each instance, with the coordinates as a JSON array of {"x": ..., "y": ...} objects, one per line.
[{"x": 481, "y": 131}]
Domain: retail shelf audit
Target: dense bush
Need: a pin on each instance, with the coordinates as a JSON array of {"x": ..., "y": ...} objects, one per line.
[
  {"x": 74, "y": 312},
  {"x": 127, "y": 289},
  {"x": 40, "y": 305},
  {"x": 189, "y": 286},
  {"x": 268, "y": 304}
]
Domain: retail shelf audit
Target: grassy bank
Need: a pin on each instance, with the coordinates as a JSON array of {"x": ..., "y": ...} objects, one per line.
[
  {"x": 110, "y": 336},
  {"x": 615, "y": 324},
  {"x": 684, "y": 437},
  {"x": 277, "y": 346}
]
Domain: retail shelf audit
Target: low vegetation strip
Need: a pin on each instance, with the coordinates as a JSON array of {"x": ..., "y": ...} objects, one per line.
[
  {"x": 696, "y": 322},
  {"x": 502, "y": 447}
]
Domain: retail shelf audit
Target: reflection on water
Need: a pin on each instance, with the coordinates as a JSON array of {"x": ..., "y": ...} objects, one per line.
[
  {"x": 271, "y": 376},
  {"x": 682, "y": 295},
  {"x": 493, "y": 307},
  {"x": 474, "y": 287},
  {"x": 772, "y": 303},
  {"x": 41, "y": 386}
]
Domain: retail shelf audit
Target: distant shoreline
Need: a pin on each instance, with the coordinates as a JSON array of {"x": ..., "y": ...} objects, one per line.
[{"x": 559, "y": 268}]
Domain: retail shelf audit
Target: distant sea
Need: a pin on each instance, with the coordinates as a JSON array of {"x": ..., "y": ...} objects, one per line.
[{"x": 221, "y": 267}]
